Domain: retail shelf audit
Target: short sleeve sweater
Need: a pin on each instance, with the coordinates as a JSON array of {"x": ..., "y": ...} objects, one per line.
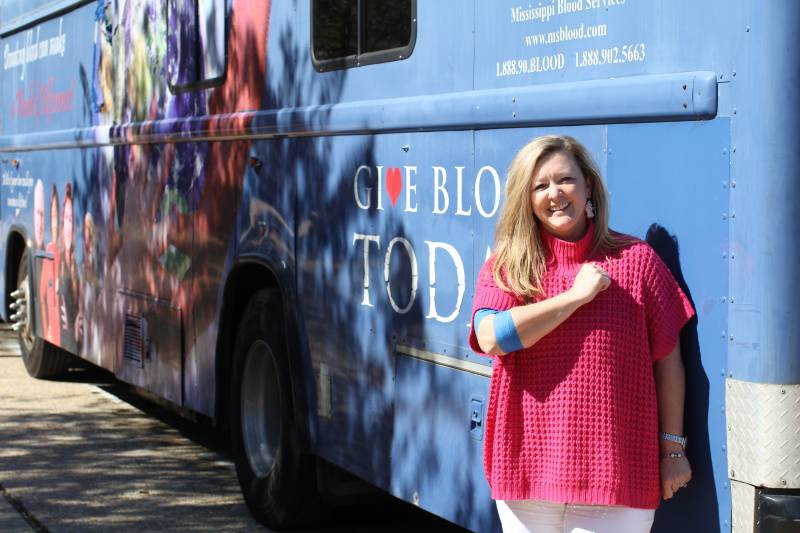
[{"x": 574, "y": 418}]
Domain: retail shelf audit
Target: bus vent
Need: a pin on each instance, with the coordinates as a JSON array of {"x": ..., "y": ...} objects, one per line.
[{"x": 133, "y": 349}]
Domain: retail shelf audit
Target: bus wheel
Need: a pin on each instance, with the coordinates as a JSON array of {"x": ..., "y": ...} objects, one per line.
[
  {"x": 42, "y": 359},
  {"x": 276, "y": 477}
]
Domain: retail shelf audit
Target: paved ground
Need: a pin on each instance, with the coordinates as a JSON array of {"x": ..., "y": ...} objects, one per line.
[{"x": 85, "y": 454}]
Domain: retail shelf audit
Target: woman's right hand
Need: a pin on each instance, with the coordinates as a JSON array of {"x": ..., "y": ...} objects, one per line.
[{"x": 590, "y": 281}]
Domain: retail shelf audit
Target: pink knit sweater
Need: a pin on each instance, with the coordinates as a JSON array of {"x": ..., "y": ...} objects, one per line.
[{"x": 574, "y": 418}]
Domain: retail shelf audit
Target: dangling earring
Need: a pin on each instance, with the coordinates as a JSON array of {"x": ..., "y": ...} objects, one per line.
[{"x": 589, "y": 209}]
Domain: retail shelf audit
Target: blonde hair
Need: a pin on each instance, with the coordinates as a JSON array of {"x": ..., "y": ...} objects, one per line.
[{"x": 520, "y": 259}]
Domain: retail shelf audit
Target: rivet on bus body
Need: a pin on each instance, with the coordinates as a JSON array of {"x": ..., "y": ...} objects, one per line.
[
  {"x": 684, "y": 86},
  {"x": 733, "y": 184},
  {"x": 733, "y": 149},
  {"x": 733, "y": 215},
  {"x": 731, "y": 338},
  {"x": 732, "y": 300},
  {"x": 734, "y": 73},
  {"x": 724, "y": 216},
  {"x": 747, "y": 29},
  {"x": 724, "y": 255},
  {"x": 724, "y": 151},
  {"x": 514, "y": 114},
  {"x": 685, "y": 105},
  {"x": 735, "y": 110},
  {"x": 733, "y": 256}
]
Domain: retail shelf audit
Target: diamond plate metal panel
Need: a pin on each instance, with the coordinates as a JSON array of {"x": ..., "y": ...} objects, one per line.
[
  {"x": 744, "y": 498},
  {"x": 763, "y": 433}
]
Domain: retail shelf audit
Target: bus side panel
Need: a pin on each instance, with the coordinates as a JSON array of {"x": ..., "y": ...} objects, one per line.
[
  {"x": 766, "y": 109},
  {"x": 342, "y": 291},
  {"x": 171, "y": 208},
  {"x": 520, "y": 43},
  {"x": 669, "y": 185},
  {"x": 348, "y": 252},
  {"x": 43, "y": 88},
  {"x": 437, "y": 446}
]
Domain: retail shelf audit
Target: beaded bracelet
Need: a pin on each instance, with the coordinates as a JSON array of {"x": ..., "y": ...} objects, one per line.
[{"x": 673, "y": 455}]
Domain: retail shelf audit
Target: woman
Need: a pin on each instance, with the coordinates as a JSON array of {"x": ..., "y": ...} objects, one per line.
[
  {"x": 85, "y": 327},
  {"x": 48, "y": 282},
  {"x": 38, "y": 215},
  {"x": 68, "y": 272},
  {"x": 585, "y": 421}
]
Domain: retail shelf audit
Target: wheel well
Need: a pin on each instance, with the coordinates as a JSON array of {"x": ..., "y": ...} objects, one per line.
[
  {"x": 14, "y": 251},
  {"x": 243, "y": 282}
]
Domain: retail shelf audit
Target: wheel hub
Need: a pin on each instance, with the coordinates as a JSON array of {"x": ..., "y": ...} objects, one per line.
[
  {"x": 21, "y": 317},
  {"x": 261, "y": 408}
]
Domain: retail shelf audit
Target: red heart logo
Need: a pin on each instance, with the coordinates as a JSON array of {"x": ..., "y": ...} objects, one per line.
[{"x": 394, "y": 182}]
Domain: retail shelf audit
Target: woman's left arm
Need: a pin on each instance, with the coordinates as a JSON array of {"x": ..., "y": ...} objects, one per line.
[{"x": 670, "y": 378}]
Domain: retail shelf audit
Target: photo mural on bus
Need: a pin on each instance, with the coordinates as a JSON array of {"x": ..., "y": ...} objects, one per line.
[{"x": 128, "y": 223}]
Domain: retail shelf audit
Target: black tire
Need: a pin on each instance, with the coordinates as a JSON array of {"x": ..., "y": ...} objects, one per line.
[
  {"x": 278, "y": 480},
  {"x": 42, "y": 360}
]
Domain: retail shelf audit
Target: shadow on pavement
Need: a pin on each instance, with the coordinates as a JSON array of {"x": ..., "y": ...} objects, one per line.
[{"x": 102, "y": 458}]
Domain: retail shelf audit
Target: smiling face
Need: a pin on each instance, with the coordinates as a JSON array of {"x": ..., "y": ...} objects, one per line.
[
  {"x": 38, "y": 214},
  {"x": 66, "y": 227},
  {"x": 558, "y": 196},
  {"x": 54, "y": 218},
  {"x": 88, "y": 241}
]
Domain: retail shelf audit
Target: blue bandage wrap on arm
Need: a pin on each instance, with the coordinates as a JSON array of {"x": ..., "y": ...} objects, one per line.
[
  {"x": 504, "y": 329},
  {"x": 480, "y": 314}
]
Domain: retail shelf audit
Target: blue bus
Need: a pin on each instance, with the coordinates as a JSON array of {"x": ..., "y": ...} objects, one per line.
[{"x": 272, "y": 214}]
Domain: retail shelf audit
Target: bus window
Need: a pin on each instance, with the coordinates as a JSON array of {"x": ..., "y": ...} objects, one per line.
[
  {"x": 335, "y": 29},
  {"x": 196, "y": 43},
  {"x": 351, "y": 33}
]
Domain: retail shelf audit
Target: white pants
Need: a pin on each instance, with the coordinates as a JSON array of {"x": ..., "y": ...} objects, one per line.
[{"x": 537, "y": 516}]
